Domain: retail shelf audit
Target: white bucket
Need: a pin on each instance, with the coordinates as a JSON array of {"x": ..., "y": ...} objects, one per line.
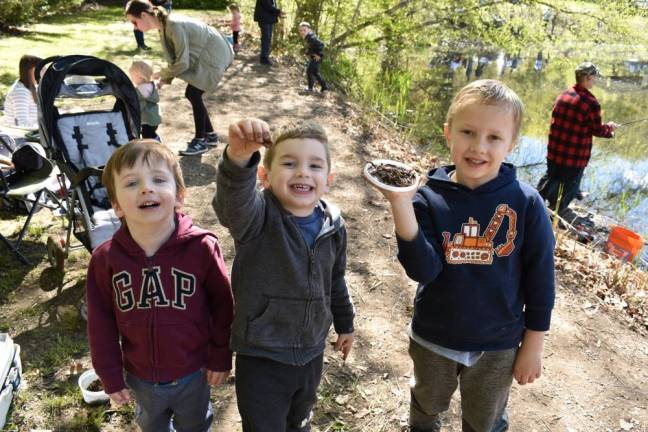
[{"x": 91, "y": 397}]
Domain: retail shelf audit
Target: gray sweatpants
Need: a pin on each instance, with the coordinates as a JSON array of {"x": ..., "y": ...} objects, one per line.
[
  {"x": 186, "y": 401},
  {"x": 484, "y": 390}
]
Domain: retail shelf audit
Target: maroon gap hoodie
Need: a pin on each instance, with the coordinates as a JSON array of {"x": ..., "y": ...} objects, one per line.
[{"x": 172, "y": 312}]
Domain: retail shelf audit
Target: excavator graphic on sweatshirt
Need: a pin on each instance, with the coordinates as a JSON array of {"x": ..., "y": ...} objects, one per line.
[{"x": 468, "y": 247}]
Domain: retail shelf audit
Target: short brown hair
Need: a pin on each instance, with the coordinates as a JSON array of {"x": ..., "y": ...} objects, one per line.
[
  {"x": 299, "y": 130},
  {"x": 488, "y": 92},
  {"x": 147, "y": 150}
]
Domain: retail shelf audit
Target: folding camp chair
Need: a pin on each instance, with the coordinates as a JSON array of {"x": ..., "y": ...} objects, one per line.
[{"x": 29, "y": 188}]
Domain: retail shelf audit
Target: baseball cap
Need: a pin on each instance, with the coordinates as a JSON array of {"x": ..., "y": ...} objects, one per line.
[{"x": 587, "y": 69}]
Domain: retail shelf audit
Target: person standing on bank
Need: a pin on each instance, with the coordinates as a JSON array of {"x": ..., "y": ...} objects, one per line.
[
  {"x": 196, "y": 53},
  {"x": 575, "y": 118},
  {"x": 266, "y": 14}
]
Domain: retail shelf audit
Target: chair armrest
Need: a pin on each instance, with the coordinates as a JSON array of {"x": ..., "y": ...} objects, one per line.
[{"x": 84, "y": 173}]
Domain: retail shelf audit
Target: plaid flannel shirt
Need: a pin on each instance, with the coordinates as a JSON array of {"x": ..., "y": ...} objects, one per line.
[{"x": 575, "y": 117}]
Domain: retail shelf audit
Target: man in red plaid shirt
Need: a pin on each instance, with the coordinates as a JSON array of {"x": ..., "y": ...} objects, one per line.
[{"x": 575, "y": 118}]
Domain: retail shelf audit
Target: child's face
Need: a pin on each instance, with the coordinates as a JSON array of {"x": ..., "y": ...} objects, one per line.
[
  {"x": 135, "y": 76},
  {"x": 298, "y": 175},
  {"x": 303, "y": 31},
  {"x": 480, "y": 138},
  {"x": 146, "y": 195}
]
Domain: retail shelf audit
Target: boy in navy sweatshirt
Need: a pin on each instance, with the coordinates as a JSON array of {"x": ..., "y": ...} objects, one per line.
[
  {"x": 315, "y": 53},
  {"x": 479, "y": 243},
  {"x": 288, "y": 272},
  {"x": 159, "y": 301}
]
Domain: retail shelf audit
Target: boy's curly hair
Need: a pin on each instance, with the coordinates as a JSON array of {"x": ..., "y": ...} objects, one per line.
[
  {"x": 299, "y": 130},
  {"x": 488, "y": 92},
  {"x": 148, "y": 150}
]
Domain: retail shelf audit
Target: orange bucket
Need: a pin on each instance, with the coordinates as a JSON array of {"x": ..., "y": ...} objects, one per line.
[{"x": 623, "y": 243}]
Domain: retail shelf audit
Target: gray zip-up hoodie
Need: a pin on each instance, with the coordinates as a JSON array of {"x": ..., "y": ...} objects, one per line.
[{"x": 286, "y": 294}]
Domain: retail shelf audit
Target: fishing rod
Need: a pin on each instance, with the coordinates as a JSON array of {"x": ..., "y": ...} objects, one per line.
[{"x": 633, "y": 121}]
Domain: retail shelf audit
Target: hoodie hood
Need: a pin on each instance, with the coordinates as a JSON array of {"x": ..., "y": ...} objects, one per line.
[
  {"x": 184, "y": 231},
  {"x": 439, "y": 178}
]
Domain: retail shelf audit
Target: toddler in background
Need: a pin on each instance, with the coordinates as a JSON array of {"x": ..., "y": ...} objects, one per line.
[
  {"x": 141, "y": 74},
  {"x": 235, "y": 25}
]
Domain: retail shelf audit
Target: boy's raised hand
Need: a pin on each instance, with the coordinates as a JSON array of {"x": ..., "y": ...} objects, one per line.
[
  {"x": 122, "y": 397},
  {"x": 246, "y": 137},
  {"x": 215, "y": 378}
]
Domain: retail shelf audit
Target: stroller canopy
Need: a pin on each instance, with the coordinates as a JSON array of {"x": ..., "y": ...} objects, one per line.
[{"x": 52, "y": 85}]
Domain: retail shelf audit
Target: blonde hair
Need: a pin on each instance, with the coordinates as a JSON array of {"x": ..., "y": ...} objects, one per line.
[
  {"x": 147, "y": 150},
  {"x": 488, "y": 92},
  {"x": 299, "y": 130},
  {"x": 143, "y": 68}
]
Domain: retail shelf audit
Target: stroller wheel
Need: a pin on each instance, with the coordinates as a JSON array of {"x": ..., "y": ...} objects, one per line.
[{"x": 55, "y": 252}]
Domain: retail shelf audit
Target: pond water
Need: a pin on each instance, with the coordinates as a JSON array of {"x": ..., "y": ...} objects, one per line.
[{"x": 617, "y": 175}]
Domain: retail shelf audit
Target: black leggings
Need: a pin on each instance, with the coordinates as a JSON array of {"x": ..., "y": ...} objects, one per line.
[{"x": 200, "y": 114}]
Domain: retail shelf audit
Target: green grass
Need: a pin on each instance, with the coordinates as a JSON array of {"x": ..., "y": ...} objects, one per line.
[{"x": 103, "y": 33}]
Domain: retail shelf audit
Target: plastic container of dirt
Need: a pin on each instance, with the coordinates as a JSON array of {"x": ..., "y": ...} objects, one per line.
[
  {"x": 91, "y": 397},
  {"x": 391, "y": 175}
]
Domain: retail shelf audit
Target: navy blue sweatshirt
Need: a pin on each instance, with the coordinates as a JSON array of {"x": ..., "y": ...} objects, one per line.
[{"x": 484, "y": 262}]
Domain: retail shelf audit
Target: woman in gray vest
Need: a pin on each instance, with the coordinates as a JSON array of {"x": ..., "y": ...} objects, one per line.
[{"x": 195, "y": 53}]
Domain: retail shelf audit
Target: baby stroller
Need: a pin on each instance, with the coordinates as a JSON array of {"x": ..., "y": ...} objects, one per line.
[{"x": 88, "y": 108}]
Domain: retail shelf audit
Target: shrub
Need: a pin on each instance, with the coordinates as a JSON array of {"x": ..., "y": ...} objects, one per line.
[{"x": 17, "y": 12}]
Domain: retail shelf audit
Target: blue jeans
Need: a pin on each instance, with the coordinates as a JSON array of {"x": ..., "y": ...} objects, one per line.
[
  {"x": 182, "y": 405},
  {"x": 560, "y": 183},
  {"x": 266, "y": 41}
]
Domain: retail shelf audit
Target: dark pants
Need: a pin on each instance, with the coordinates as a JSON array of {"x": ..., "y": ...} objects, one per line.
[
  {"x": 313, "y": 74},
  {"x": 139, "y": 38},
  {"x": 235, "y": 37},
  {"x": 276, "y": 397},
  {"x": 560, "y": 182},
  {"x": 266, "y": 42},
  {"x": 202, "y": 123},
  {"x": 484, "y": 389},
  {"x": 186, "y": 401},
  {"x": 149, "y": 131}
]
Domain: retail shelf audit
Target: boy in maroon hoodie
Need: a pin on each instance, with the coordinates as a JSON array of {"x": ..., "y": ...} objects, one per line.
[{"x": 159, "y": 300}]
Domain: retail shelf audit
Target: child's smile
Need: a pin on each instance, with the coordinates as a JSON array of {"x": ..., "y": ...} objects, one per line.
[
  {"x": 480, "y": 138},
  {"x": 299, "y": 175}
]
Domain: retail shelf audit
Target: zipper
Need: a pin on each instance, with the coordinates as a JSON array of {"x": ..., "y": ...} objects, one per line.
[{"x": 152, "y": 321}]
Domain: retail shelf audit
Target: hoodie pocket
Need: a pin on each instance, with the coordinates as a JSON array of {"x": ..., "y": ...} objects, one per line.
[
  {"x": 180, "y": 345},
  {"x": 286, "y": 323}
]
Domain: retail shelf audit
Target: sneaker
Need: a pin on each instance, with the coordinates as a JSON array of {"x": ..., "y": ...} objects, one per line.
[
  {"x": 211, "y": 139},
  {"x": 236, "y": 47},
  {"x": 144, "y": 47},
  {"x": 196, "y": 146}
]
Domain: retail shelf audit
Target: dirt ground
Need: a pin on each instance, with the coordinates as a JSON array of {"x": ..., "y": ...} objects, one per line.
[{"x": 595, "y": 365}]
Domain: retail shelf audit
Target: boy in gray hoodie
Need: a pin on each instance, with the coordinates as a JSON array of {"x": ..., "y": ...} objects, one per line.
[{"x": 288, "y": 272}]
